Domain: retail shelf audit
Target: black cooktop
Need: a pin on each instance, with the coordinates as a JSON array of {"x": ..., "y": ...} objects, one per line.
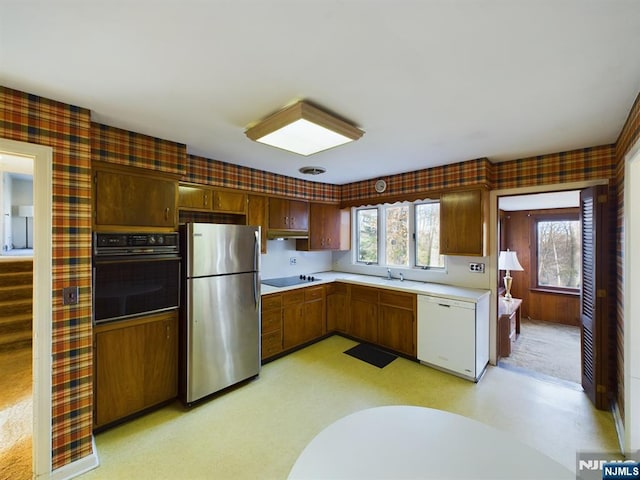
[{"x": 290, "y": 281}]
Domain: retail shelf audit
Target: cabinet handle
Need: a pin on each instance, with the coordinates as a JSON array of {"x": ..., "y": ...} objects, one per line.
[
  {"x": 286, "y": 221},
  {"x": 166, "y": 213},
  {"x": 293, "y": 221},
  {"x": 168, "y": 332},
  {"x": 206, "y": 199}
]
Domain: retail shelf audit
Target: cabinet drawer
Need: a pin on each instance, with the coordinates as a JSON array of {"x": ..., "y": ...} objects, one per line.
[
  {"x": 271, "y": 320},
  {"x": 294, "y": 296},
  {"x": 364, "y": 294},
  {"x": 269, "y": 302},
  {"x": 336, "y": 288},
  {"x": 271, "y": 343},
  {"x": 398, "y": 299},
  {"x": 313, "y": 293}
]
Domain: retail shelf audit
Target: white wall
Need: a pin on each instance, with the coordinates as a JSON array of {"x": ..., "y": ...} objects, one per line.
[
  {"x": 276, "y": 262},
  {"x": 21, "y": 194}
]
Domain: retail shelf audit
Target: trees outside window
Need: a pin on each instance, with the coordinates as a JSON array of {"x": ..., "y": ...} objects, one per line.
[
  {"x": 558, "y": 251},
  {"x": 386, "y": 232}
]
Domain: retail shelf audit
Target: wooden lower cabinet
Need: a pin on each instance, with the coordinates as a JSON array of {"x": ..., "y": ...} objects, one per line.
[
  {"x": 271, "y": 325},
  {"x": 363, "y": 322},
  {"x": 397, "y": 321},
  {"x": 375, "y": 315},
  {"x": 337, "y": 307},
  {"x": 136, "y": 366},
  {"x": 292, "y": 318},
  {"x": 303, "y": 316}
]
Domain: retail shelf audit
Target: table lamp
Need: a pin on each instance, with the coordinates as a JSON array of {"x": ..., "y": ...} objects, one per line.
[{"x": 507, "y": 260}]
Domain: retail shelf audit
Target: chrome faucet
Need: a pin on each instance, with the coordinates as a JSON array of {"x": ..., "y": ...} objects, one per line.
[
  {"x": 401, "y": 276},
  {"x": 389, "y": 277}
]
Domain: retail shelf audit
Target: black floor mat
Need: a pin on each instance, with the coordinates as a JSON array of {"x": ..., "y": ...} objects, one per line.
[{"x": 370, "y": 354}]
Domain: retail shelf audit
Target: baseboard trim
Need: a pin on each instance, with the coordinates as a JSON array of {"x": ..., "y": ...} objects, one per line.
[
  {"x": 619, "y": 423},
  {"x": 78, "y": 467}
]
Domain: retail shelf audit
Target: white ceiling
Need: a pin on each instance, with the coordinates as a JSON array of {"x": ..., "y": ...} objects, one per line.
[{"x": 431, "y": 82}]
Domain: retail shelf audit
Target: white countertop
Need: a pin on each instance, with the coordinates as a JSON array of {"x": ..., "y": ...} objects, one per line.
[{"x": 410, "y": 286}]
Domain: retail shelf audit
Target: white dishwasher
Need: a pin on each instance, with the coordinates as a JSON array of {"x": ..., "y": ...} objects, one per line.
[{"x": 451, "y": 336}]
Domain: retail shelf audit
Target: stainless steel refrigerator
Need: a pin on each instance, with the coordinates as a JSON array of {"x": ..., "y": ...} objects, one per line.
[{"x": 221, "y": 321}]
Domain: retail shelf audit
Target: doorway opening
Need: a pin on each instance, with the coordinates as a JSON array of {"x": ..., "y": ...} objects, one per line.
[
  {"x": 539, "y": 329},
  {"x": 39, "y": 414},
  {"x": 16, "y": 332}
]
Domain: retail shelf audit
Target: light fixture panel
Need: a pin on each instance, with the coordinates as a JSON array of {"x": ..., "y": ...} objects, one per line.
[
  {"x": 303, "y": 129},
  {"x": 304, "y": 137}
]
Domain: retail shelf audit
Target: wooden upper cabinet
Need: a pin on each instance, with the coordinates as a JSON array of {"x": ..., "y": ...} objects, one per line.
[
  {"x": 326, "y": 225},
  {"x": 207, "y": 199},
  {"x": 133, "y": 197},
  {"x": 257, "y": 215},
  {"x": 231, "y": 202},
  {"x": 463, "y": 218},
  {"x": 286, "y": 214},
  {"x": 194, "y": 198}
]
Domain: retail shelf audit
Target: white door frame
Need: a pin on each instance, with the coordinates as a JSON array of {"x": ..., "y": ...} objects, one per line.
[
  {"x": 631, "y": 280},
  {"x": 42, "y": 298}
]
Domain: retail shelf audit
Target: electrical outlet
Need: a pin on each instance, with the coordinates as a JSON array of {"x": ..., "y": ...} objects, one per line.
[
  {"x": 476, "y": 267},
  {"x": 70, "y": 296},
  {"x": 293, "y": 260}
]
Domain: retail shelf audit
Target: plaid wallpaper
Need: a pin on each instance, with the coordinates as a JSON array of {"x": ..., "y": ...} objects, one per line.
[
  {"x": 66, "y": 128},
  {"x": 470, "y": 173},
  {"x": 221, "y": 174},
  {"x": 628, "y": 137},
  {"x": 575, "y": 165},
  {"x": 115, "y": 145}
]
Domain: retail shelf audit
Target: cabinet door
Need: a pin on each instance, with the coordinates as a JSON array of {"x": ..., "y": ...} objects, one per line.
[
  {"x": 278, "y": 213},
  {"x": 194, "y": 198},
  {"x": 364, "y": 320},
  {"x": 314, "y": 324},
  {"x": 119, "y": 373},
  {"x": 293, "y": 328},
  {"x": 324, "y": 227},
  {"x": 231, "y": 202},
  {"x": 298, "y": 215},
  {"x": 396, "y": 328},
  {"x": 462, "y": 223},
  {"x": 337, "y": 312},
  {"x": 131, "y": 200},
  {"x": 332, "y": 227},
  {"x": 161, "y": 360},
  {"x": 257, "y": 211},
  {"x": 364, "y": 313}
]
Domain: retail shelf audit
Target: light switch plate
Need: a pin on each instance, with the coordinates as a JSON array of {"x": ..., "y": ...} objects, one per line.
[{"x": 70, "y": 295}]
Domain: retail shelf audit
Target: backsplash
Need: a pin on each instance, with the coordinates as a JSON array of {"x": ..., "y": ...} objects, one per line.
[{"x": 277, "y": 261}]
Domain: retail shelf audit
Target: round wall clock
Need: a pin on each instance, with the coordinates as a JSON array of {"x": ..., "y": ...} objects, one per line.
[{"x": 380, "y": 186}]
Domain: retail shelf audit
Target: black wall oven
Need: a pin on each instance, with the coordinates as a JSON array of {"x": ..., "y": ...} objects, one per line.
[{"x": 134, "y": 274}]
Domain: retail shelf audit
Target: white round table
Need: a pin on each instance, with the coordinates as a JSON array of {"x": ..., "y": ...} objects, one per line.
[{"x": 404, "y": 442}]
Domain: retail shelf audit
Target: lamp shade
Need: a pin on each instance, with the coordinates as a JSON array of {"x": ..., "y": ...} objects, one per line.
[
  {"x": 508, "y": 260},
  {"x": 25, "y": 211},
  {"x": 303, "y": 129}
]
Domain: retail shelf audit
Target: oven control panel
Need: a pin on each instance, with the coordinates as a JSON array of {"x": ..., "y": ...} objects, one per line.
[{"x": 134, "y": 243}]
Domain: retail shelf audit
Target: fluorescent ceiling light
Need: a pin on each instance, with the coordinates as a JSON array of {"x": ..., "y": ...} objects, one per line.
[{"x": 303, "y": 129}]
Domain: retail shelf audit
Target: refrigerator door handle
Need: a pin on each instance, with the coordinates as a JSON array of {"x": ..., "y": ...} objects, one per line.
[{"x": 256, "y": 268}]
